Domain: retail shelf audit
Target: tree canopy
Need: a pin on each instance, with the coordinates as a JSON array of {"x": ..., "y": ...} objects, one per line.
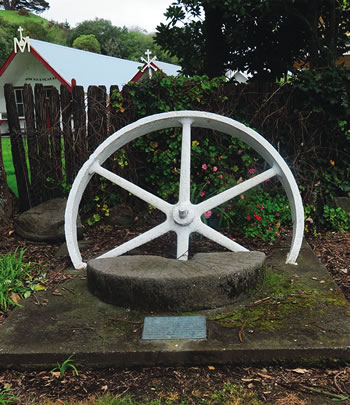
[
  {"x": 264, "y": 37},
  {"x": 87, "y": 43},
  {"x": 110, "y": 37},
  {"x": 38, "y": 6},
  {"x": 117, "y": 41}
]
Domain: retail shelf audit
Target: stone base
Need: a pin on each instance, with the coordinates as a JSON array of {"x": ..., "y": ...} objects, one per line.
[{"x": 153, "y": 283}]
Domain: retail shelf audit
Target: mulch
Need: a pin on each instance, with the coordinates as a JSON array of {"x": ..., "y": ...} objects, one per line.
[{"x": 276, "y": 385}]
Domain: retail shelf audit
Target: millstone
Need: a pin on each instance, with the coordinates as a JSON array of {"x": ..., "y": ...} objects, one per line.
[{"x": 154, "y": 283}]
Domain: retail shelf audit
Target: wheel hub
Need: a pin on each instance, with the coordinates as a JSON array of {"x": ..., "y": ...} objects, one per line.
[{"x": 183, "y": 214}]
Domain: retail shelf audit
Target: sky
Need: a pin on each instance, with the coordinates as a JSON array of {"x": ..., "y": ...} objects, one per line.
[{"x": 146, "y": 14}]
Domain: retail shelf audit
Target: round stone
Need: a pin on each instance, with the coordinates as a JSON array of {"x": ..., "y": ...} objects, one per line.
[{"x": 154, "y": 283}]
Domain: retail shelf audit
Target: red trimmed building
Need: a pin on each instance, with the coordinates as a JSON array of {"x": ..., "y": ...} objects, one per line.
[{"x": 33, "y": 61}]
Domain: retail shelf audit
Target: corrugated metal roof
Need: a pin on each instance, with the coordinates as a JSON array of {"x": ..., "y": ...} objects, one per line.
[{"x": 89, "y": 68}]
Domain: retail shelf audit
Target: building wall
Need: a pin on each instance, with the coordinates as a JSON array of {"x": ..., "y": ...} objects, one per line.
[{"x": 24, "y": 68}]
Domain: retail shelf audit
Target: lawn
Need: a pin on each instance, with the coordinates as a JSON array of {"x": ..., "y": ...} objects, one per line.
[
  {"x": 8, "y": 164},
  {"x": 55, "y": 32}
]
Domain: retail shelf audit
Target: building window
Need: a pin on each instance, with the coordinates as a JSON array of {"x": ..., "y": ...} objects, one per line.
[{"x": 19, "y": 102}]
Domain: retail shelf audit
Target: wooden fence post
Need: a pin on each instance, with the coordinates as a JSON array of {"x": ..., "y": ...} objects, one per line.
[
  {"x": 66, "y": 108},
  {"x": 43, "y": 139},
  {"x": 97, "y": 116},
  {"x": 55, "y": 137},
  {"x": 32, "y": 141},
  {"x": 17, "y": 148},
  {"x": 79, "y": 117}
]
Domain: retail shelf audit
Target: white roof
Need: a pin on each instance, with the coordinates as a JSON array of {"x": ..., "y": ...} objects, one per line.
[{"x": 89, "y": 68}]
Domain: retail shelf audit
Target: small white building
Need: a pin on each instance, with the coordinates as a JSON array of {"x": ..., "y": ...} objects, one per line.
[{"x": 33, "y": 61}]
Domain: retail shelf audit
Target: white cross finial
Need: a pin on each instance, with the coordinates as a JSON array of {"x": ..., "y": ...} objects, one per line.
[
  {"x": 148, "y": 63},
  {"x": 22, "y": 42},
  {"x": 20, "y": 30}
]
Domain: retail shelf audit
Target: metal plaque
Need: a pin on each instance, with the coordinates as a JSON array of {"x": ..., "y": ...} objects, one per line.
[{"x": 174, "y": 327}]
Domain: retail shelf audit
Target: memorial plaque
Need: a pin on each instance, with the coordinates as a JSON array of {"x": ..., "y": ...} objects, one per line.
[{"x": 174, "y": 327}]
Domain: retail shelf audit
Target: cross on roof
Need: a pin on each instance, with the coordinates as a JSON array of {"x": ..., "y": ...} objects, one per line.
[
  {"x": 20, "y": 30},
  {"x": 22, "y": 42},
  {"x": 148, "y": 62}
]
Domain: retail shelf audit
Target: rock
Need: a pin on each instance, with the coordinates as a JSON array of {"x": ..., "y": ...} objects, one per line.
[
  {"x": 63, "y": 250},
  {"x": 343, "y": 202},
  {"x": 45, "y": 222},
  {"x": 120, "y": 215},
  {"x": 157, "y": 284}
]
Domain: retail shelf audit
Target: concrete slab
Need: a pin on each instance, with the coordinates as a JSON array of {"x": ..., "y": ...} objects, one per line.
[{"x": 297, "y": 316}]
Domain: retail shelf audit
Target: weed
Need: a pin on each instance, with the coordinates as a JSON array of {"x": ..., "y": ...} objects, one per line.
[
  {"x": 62, "y": 368},
  {"x": 18, "y": 279},
  {"x": 7, "y": 397}
]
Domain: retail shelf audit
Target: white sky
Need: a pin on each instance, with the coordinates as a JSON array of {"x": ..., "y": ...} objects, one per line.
[{"x": 146, "y": 14}]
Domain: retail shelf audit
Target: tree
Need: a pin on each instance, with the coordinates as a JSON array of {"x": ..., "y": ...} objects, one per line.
[
  {"x": 119, "y": 42},
  {"x": 263, "y": 37},
  {"x": 87, "y": 43},
  {"x": 38, "y": 6},
  {"x": 110, "y": 37},
  {"x": 137, "y": 42}
]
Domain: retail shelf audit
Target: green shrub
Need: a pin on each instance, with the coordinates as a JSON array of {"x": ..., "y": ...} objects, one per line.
[{"x": 336, "y": 219}]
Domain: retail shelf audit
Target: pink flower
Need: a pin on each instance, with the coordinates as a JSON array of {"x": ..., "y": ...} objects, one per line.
[
  {"x": 257, "y": 205},
  {"x": 251, "y": 171},
  {"x": 208, "y": 182},
  {"x": 220, "y": 176},
  {"x": 241, "y": 197},
  {"x": 248, "y": 218},
  {"x": 218, "y": 214},
  {"x": 267, "y": 180},
  {"x": 207, "y": 214},
  {"x": 262, "y": 207},
  {"x": 277, "y": 215},
  {"x": 215, "y": 169},
  {"x": 270, "y": 229},
  {"x": 204, "y": 166},
  {"x": 202, "y": 193},
  {"x": 258, "y": 217}
]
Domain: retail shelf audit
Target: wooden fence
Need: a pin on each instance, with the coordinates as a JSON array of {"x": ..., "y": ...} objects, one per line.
[{"x": 61, "y": 131}]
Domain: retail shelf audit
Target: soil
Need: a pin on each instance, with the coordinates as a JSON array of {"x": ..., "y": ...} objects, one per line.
[{"x": 279, "y": 385}]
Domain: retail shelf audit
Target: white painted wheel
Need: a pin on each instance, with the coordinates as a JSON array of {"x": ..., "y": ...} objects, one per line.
[{"x": 183, "y": 217}]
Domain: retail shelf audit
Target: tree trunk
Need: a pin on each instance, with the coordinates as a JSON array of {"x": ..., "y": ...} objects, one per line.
[
  {"x": 215, "y": 47},
  {"x": 314, "y": 41},
  {"x": 7, "y": 5},
  {"x": 333, "y": 34}
]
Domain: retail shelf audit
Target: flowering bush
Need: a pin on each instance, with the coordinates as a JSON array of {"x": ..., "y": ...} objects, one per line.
[{"x": 261, "y": 215}]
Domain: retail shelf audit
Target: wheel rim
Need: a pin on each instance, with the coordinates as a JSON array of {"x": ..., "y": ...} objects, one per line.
[{"x": 183, "y": 217}]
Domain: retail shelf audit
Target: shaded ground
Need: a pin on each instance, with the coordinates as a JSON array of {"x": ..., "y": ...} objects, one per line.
[{"x": 275, "y": 385}]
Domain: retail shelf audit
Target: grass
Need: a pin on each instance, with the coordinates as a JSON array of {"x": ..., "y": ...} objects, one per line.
[
  {"x": 8, "y": 164},
  {"x": 55, "y": 32},
  {"x": 18, "y": 280}
]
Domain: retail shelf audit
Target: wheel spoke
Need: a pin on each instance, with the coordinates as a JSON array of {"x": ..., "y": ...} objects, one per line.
[
  {"x": 138, "y": 241},
  {"x": 133, "y": 189},
  {"x": 185, "y": 171},
  {"x": 232, "y": 192},
  {"x": 183, "y": 239},
  {"x": 219, "y": 238}
]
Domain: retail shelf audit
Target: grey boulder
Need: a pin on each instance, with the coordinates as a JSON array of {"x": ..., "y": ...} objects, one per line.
[{"x": 45, "y": 222}]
